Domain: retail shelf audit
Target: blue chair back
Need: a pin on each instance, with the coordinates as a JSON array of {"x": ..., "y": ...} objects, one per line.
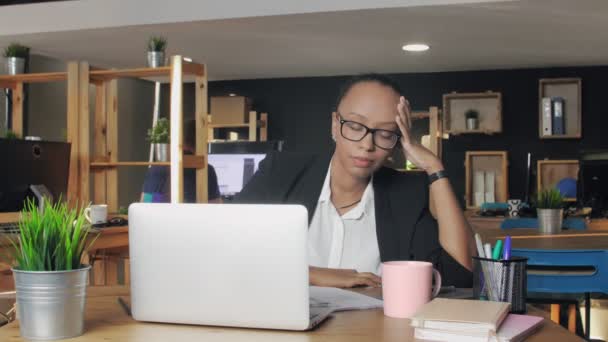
[{"x": 591, "y": 276}]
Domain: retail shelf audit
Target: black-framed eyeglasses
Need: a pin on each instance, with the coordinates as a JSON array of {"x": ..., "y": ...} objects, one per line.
[{"x": 355, "y": 131}]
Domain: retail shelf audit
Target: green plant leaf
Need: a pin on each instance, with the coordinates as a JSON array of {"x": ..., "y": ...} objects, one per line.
[
  {"x": 157, "y": 43},
  {"x": 550, "y": 199},
  {"x": 50, "y": 240},
  {"x": 159, "y": 134},
  {"x": 16, "y": 50}
]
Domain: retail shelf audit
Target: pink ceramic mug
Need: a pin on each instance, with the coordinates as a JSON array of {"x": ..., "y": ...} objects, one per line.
[{"x": 407, "y": 285}]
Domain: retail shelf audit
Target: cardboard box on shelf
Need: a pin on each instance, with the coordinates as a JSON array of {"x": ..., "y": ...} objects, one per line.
[{"x": 228, "y": 110}]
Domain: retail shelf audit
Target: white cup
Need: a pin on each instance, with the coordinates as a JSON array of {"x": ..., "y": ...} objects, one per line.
[{"x": 96, "y": 213}]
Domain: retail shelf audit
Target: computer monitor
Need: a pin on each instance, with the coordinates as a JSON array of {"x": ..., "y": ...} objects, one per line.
[
  {"x": 26, "y": 163},
  {"x": 234, "y": 170},
  {"x": 235, "y": 162},
  {"x": 593, "y": 181}
]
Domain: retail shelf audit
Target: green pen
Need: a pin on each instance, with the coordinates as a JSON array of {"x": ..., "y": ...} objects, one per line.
[{"x": 497, "y": 250}]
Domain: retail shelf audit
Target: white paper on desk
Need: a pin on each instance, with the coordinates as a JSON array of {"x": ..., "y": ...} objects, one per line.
[{"x": 341, "y": 300}]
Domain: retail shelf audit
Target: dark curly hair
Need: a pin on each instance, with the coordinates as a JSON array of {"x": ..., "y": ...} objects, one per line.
[{"x": 371, "y": 77}]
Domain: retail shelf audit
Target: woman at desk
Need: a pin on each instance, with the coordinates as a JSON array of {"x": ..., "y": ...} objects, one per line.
[{"x": 361, "y": 213}]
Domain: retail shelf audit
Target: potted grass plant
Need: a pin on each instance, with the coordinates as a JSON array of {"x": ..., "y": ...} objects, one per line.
[
  {"x": 16, "y": 55},
  {"x": 50, "y": 279},
  {"x": 156, "y": 51},
  {"x": 549, "y": 208},
  {"x": 159, "y": 136},
  {"x": 472, "y": 117}
]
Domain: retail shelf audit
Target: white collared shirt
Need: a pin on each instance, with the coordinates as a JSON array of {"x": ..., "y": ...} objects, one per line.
[{"x": 347, "y": 241}]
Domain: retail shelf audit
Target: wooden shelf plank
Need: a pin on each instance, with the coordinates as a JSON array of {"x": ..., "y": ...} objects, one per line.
[
  {"x": 561, "y": 136},
  {"x": 243, "y": 125},
  {"x": 103, "y": 75},
  {"x": 473, "y": 131},
  {"x": 190, "y": 162},
  {"x": 127, "y": 163},
  {"x": 9, "y": 81}
]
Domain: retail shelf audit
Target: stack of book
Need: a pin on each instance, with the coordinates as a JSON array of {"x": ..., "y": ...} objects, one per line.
[
  {"x": 553, "y": 116},
  {"x": 484, "y": 183},
  {"x": 469, "y": 320}
]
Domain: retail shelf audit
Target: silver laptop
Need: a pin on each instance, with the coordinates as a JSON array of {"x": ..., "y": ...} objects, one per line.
[{"x": 221, "y": 264}]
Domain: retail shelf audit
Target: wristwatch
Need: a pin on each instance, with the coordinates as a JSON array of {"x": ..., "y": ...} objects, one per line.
[{"x": 437, "y": 175}]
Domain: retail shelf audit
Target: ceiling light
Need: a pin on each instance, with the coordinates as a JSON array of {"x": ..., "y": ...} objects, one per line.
[
  {"x": 232, "y": 94},
  {"x": 188, "y": 59},
  {"x": 415, "y": 47}
]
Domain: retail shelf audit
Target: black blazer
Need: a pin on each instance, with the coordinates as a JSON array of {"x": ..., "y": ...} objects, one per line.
[{"x": 405, "y": 228}]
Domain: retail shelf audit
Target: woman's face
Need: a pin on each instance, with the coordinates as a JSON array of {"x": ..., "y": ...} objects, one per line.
[{"x": 373, "y": 105}]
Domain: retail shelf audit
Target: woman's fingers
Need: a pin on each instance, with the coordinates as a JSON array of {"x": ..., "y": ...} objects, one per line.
[
  {"x": 371, "y": 276},
  {"x": 404, "y": 111},
  {"x": 405, "y": 134},
  {"x": 362, "y": 281}
]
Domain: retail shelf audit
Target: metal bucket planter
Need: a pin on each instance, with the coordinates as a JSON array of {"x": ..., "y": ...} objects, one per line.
[
  {"x": 162, "y": 152},
  {"x": 550, "y": 220},
  {"x": 156, "y": 59},
  {"x": 50, "y": 305},
  {"x": 472, "y": 124},
  {"x": 15, "y": 65}
]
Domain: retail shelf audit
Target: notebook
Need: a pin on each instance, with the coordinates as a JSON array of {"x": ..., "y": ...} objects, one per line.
[
  {"x": 470, "y": 316},
  {"x": 515, "y": 328}
]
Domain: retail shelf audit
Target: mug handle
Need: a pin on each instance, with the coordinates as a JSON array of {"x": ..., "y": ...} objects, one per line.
[
  {"x": 437, "y": 277},
  {"x": 87, "y": 214}
]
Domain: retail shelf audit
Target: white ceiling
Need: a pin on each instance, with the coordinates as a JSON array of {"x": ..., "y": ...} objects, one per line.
[{"x": 314, "y": 38}]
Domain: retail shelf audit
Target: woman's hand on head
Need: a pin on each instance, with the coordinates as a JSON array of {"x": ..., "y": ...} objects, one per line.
[
  {"x": 342, "y": 278},
  {"x": 421, "y": 156}
]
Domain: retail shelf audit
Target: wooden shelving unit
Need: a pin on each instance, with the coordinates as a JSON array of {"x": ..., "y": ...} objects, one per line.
[
  {"x": 493, "y": 161},
  {"x": 253, "y": 125},
  {"x": 550, "y": 172},
  {"x": 488, "y": 105},
  {"x": 571, "y": 90},
  {"x": 104, "y": 163}
]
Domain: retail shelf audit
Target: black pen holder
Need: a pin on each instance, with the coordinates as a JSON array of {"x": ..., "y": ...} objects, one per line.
[{"x": 501, "y": 281}]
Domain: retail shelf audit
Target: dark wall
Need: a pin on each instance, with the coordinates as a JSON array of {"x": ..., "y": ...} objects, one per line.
[{"x": 299, "y": 113}]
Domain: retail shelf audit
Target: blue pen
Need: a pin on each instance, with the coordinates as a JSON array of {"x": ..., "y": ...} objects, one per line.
[{"x": 507, "y": 250}]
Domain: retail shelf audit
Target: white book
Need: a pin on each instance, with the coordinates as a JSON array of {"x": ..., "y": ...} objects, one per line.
[
  {"x": 479, "y": 199},
  {"x": 515, "y": 328},
  {"x": 479, "y": 184},
  {"x": 490, "y": 185},
  {"x": 547, "y": 118}
]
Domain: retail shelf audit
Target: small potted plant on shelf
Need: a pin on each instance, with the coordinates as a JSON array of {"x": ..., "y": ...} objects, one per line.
[
  {"x": 159, "y": 136},
  {"x": 549, "y": 208},
  {"x": 16, "y": 55},
  {"x": 50, "y": 279},
  {"x": 156, "y": 51},
  {"x": 472, "y": 117},
  {"x": 11, "y": 135}
]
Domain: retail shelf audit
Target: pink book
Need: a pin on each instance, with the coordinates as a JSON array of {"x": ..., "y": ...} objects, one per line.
[{"x": 517, "y": 327}]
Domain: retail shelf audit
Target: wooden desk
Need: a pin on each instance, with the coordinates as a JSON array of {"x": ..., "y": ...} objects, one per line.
[
  {"x": 107, "y": 321},
  {"x": 594, "y": 237}
]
